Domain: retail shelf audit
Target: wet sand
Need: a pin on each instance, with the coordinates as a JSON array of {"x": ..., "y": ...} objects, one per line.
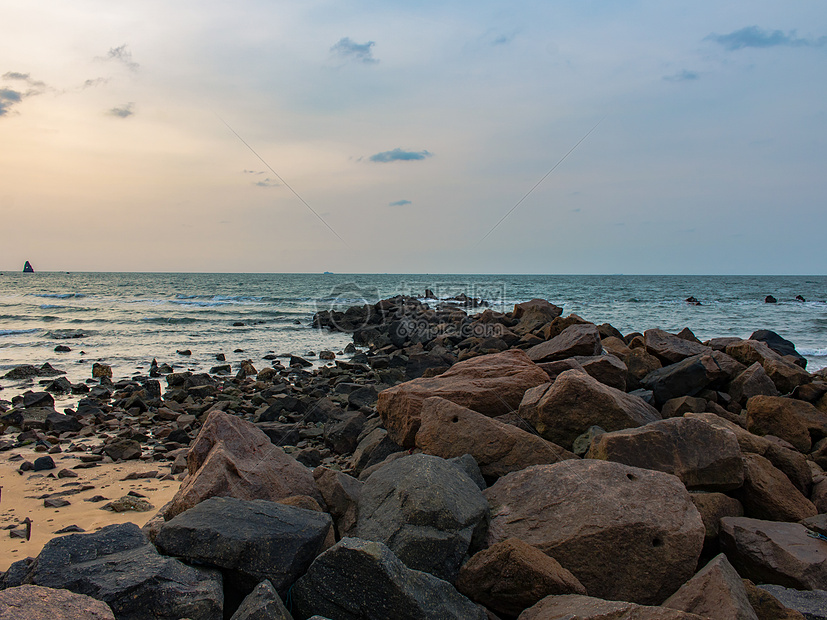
[{"x": 20, "y": 492}]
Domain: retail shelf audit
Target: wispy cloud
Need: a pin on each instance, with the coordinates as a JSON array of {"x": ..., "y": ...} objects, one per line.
[
  {"x": 268, "y": 182},
  {"x": 123, "y": 55},
  {"x": 349, "y": 50},
  {"x": 123, "y": 111},
  {"x": 10, "y": 97},
  {"x": 399, "y": 203},
  {"x": 399, "y": 155},
  {"x": 682, "y": 76},
  {"x": 753, "y": 36},
  {"x": 94, "y": 82}
]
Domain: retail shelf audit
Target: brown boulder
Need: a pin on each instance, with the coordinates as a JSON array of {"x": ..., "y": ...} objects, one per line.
[
  {"x": 715, "y": 592},
  {"x": 768, "y": 494},
  {"x": 533, "y": 315},
  {"x": 713, "y": 507},
  {"x": 607, "y": 369},
  {"x": 774, "y": 552},
  {"x": 511, "y": 576},
  {"x": 819, "y": 494},
  {"x": 786, "y": 375},
  {"x": 30, "y": 602},
  {"x": 782, "y": 417},
  {"x": 553, "y": 369},
  {"x": 580, "y": 339},
  {"x": 576, "y": 401},
  {"x": 616, "y": 346},
  {"x": 676, "y": 407},
  {"x": 449, "y": 430},
  {"x": 750, "y": 351},
  {"x": 560, "y": 324},
  {"x": 489, "y": 384},
  {"x": 626, "y": 533},
  {"x": 230, "y": 457},
  {"x": 341, "y": 495},
  {"x": 702, "y": 456},
  {"x": 577, "y": 607},
  {"x": 669, "y": 348},
  {"x": 752, "y": 382},
  {"x": 766, "y": 606},
  {"x": 535, "y": 304}
]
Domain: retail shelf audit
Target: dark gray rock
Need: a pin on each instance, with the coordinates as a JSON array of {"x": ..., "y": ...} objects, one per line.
[
  {"x": 250, "y": 540},
  {"x": 780, "y": 345},
  {"x": 263, "y": 603},
  {"x": 426, "y": 510},
  {"x": 684, "y": 378},
  {"x": 811, "y": 603},
  {"x": 341, "y": 435},
  {"x": 119, "y": 566},
  {"x": 372, "y": 449},
  {"x": 43, "y": 463},
  {"x": 468, "y": 465},
  {"x": 60, "y": 423},
  {"x": 360, "y": 580}
]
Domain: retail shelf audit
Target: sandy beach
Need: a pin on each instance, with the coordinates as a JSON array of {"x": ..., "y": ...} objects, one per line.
[{"x": 20, "y": 493}]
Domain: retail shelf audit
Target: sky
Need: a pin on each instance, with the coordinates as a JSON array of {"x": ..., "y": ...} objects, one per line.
[{"x": 414, "y": 137}]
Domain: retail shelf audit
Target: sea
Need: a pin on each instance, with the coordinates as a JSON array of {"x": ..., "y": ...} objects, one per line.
[{"x": 128, "y": 319}]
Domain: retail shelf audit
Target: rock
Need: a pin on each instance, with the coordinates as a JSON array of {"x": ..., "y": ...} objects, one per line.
[
  {"x": 669, "y": 348},
  {"x": 768, "y": 494},
  {"x": 715, "y": 592},
  {"x": 685, "y": 378},
  {"x": 553, "y": 369},
  {"x": 44, "y": 463},
  {"x": 576, "y": 401},
  {"x": 263, "y": 603},
  {"x": 101, "y": 371},
  {"x": 123, "y": 450},
  {"x": 29, "y": 602},
  {"x": 55, "y": 502},
  {"x": 766, "y": 606},
  {"x": 702, "y": 456},
  {"x": 230, "y": 457},
  {"x": 249, "y": 540},
  {"x": 676, "y": 407},
  {"x": 786, "y": 418},
  {"x": 750, "y": 351},
  {"x": 536, "y": 306},
  {"x": 607, "y": 369},
  {"x": 583, "y": 442},
  {"x": 774, "y": 552},
  {"x": 640, "y": 363},
  {"x": 426, "y": 510},
  {"x": 752, "y": 382},
  {"x": 490, "y": 384},
  {"x": 581, "y": 339},
  {"x": 769, "y": 299},
  {"x": 361, "y": 580},
  {"x": 341, "y": 495},
  {"x": 511, "y": 576},
  {"x": 786, "y": 375},
  {"x": 713, "y": 507},
  {"x": 780, "y": 345},
  {"x": 811, "y": 603},
  {"x": 341, "y": 435},
  {"x": 449, "y": 430},
  {"x": 819, "y": 495},
  {"x": 128, "y": 503},
  {"x": 118, "y": 565},
  {"x": 372, "y": 449},
  {"x": 626, "y": 533},
  {"x": 577, "y": 607}
]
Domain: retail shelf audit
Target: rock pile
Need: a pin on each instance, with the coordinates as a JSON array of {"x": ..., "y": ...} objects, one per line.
[{"x": 438, "y": 474}]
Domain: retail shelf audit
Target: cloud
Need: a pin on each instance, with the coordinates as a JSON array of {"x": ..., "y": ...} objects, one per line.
[
  {"x": 399, "y": 203},
  {"x": 94, "y": 82},
  {"x": 347, "y": 49},
  {"x": 8, "y": 98},
  {"x": 14, "y": 75},
  {"x": 399, "y": 155},
  {"x": 253, "y": 171},
  {"x": 682, "y": 76},
  {"x": 753, "y": 36},
  {"x": 123, "y": 55},
  {"x": 268, "y": 182},
  {"x": 123, "y": 111}
]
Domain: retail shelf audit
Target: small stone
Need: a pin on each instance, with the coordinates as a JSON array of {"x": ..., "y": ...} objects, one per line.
[{"x": 55, "y": 502}]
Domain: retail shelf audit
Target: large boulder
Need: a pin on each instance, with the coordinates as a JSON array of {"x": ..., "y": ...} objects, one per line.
[
  {"x": 713, "y": 507},
  {"x": 626, "y": 533},
  {"x": 230, "y": 457},
  {"x": 489, "y": 384},
  {"x": 29, "y": 602},
  {"x": 119, "y": 566},
  {"x": 715, "y": 592},
  {"x": 363, "y": 580},
  {"x": 669, "y": 348},
  {"x": 511, "y": 576},
  {"x": 607, "y": 369},
  {"x": 768, "y": 494},
  {"x": 263, "y": 603},
  {"x": 578, "y": 607},
  {"x": 766, "y": 606},
  {"x": 786, "y": 375},
  {"x": 449, "y": 430},
  {"x": 780, "y": 345},
  {"x": 341, "y": 493},
  {"x": 426, "y": 510},
  {"x": 581, "y": 339},
  {"x": 534, "y": 314},
  {"x": 576, "y": 401},
  {"x": 752, "y": 382},
  {"x": 249, "y": 540},
  {"x": 750, "y": 351},
  {"x": 787, "y": 418},
  {"x": 702, "y": 456},
  {"x": 774, "y": 552},
  {"x": 811, "y": 603},
  {"x": 685, "y": 378}
]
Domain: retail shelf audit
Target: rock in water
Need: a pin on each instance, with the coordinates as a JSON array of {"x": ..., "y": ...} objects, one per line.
[
  {"x": 360, "y": 580},
  {"x": 27, "y": 268},
  {"x": 249, "y": 540},
  {"x": 626, "y": 533},
  {"x": 119, "y": 566},
  {"x": 425, "y": 509}
]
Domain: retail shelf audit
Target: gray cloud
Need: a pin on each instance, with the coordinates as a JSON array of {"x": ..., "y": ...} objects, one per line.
[
  {"x": 10, "y": 97},
  {"x": 753, "y": 36},
  {"x": 347, "y": 49},
  {"x": 268, "y": 182},
  {"x": 14, "y": 75},
  {"x": 123, "y": 111},
  {"x": 399, "y": 203},
  {"x": 253, "y": 171},
  {"x": 94, "y": 82},
  {"x": 123, "y": 55},
  {"x": 682, "y": 76},
  {"x": 399, "y": 155}
]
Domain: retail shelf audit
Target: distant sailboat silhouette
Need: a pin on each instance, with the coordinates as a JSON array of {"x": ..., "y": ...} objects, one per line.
[{"x": 27, "y": 268}]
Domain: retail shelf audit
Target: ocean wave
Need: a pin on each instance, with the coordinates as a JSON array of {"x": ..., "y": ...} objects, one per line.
[
  {"x": 14, "y": 332},
  {"x": 61, "y": 295},
  {"x": 172, "y": 320},
  {"x": 812, "y": 352},
  {"x": 50, "y": 307}
]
